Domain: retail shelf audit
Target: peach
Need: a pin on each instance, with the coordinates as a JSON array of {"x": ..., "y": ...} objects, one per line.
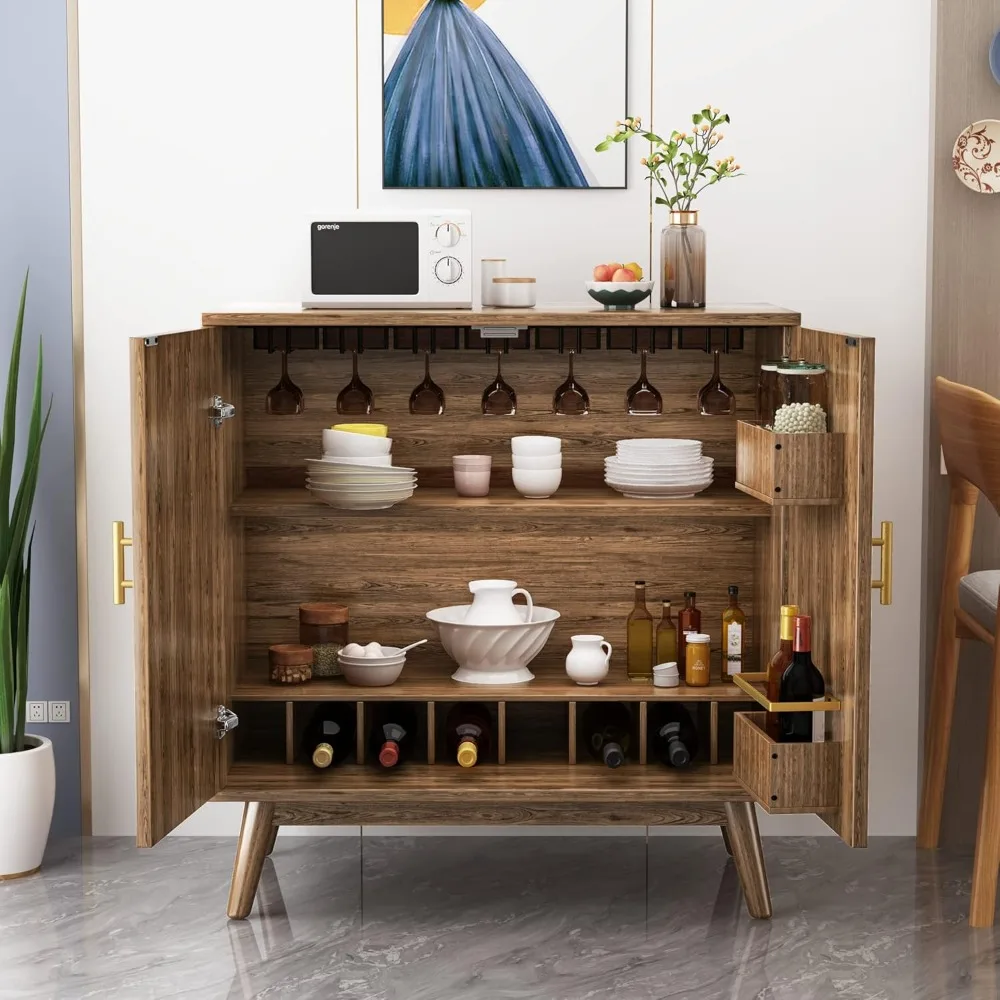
[
  {"x": 623, "y": 274},
  {"x": 602, "y": 273},
  {"x": 613, "y": 266}
]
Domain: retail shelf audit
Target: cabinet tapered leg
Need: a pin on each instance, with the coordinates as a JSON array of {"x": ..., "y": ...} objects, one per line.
[
  {"x": 273, "y": 838},
  {"x": 744, "y": 838},
  {"x": 252, "y": 848},
  {"x": 726, "y": 841}
]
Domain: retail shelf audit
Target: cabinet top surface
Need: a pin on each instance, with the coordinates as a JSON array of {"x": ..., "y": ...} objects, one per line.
[{"x": 559, "y": 314}]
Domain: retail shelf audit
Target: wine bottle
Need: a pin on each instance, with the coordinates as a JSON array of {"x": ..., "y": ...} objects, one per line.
[
  {"x": 607, "y": 730},
  {"x": 639, "y": 638},
  {"x": 329, "y": 738},
  {"x": 777, "y": 665},
  {"x": 673, "y": 736},
  {"x": 801, "y": 681},
  {"x": 666, "y": 637},
  {"x": 689, "y": 620},
  {"x": 469, "y": 733},
  {"x": 733, "y": 625},
  {"x": 392, "y": 735}
]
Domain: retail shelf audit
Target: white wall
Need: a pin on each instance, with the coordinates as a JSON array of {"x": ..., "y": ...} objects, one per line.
[{"x": 208, "y": 124}]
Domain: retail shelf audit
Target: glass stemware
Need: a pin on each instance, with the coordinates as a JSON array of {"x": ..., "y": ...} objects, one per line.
[
  {"x": 571, "y": 399},
  {"x": 715, "y": 399},
  {"x": 355, "y": 398},
  {"x": 286, "y": 397},
  {"x": 499, "y": 399},
  {"x": 642, "y": 399},
  {"x": 428, "y": 397}
]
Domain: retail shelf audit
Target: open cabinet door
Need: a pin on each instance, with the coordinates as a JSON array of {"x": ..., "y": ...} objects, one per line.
[{"x": 188, "y": 576}]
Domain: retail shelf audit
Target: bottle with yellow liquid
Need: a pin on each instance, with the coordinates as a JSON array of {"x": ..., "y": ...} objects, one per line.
[
  {"x": 469, "y": 734},
  {"x": 733, "y": 636},
  {"x": 639, "y": 637},
  {"x": 666, "y": 637}
]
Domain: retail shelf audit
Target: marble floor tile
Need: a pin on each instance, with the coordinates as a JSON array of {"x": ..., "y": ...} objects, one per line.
[{"x": 481, "y": 918}]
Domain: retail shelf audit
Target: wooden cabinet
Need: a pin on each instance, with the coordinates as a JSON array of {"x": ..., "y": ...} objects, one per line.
[{"x": 228, "y": 543}]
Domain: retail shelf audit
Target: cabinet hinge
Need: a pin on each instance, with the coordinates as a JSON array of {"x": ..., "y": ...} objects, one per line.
[
  {"x": 225, "y": 721},
  {"x": 221, "y": 410},
  {"x": 150, "y": 341}
]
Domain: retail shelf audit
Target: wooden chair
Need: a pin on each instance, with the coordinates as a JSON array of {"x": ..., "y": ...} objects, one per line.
[{"x": 969, "y": 425}]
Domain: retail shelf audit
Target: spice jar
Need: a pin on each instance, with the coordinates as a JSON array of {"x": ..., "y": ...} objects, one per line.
[
  {"x": 291, "y": 663},
  {"x": 801, "y": 399},
  {"x": 324, "y": 626},
  {"x": 697, "y": 665}
]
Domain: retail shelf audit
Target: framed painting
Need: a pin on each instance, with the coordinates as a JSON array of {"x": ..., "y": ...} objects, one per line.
[{"x": 502, "y": 93}]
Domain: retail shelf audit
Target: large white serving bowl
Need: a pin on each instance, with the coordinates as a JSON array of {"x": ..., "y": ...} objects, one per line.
[
  {"x": 347, "y": 444},
  {"x": 536, "y": 462},
  {"x": 493, "y": 654},
  {"x": 535, "y": 444}
]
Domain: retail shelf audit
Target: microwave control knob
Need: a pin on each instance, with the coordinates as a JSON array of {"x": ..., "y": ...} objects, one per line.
[
  {"x": 448, "y": 270},
  {"x": 448, "y": 234}
]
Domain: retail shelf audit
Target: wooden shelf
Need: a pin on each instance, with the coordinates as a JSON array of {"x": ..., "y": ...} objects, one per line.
[
  {"x": 519, "y": 784},
  {"x": 716, "y": 503},
  {"x": 561, "y": 314},
  {"x": 426, "y": 678}
]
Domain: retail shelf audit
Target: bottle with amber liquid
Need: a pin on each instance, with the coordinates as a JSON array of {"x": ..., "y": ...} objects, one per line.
[
  {"x": 392, "y": 735},
  {"x": 802, "y": 681},
  {"x": 777, "y": 665},
  {"x": 469, "y": 734},
  {"x": 733, "y": 636},
  {"x": 639, "y": 638},
  {"x": 689, "y": 620},
  {"x": 666, "y": 637},
  {"x": 329, "y": 738}
]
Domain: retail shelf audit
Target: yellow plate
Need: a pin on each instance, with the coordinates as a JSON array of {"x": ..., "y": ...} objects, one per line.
[{"x": 372, "y": 430}]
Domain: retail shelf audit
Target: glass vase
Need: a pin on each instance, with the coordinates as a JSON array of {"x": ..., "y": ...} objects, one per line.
[{"x": 682, "y": 262}]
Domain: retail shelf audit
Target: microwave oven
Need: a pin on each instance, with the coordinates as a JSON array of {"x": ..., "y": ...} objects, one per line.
[{"x": 397, "y": 260}]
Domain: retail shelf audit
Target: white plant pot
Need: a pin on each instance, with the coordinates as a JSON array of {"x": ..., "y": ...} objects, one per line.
[{"x": 28, "y": 794}]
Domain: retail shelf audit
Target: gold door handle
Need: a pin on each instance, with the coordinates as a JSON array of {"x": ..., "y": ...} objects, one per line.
[
  {"x": 119, "y": 542},
  {"x": 884, "y": 583}
]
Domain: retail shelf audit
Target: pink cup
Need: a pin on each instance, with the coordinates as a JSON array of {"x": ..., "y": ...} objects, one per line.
[{"x": 472, "y": 475}]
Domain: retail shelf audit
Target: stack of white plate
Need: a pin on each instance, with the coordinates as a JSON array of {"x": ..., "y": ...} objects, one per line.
[
  {"x": 654, "y": 468},
  {"x": 356, "y": 473}
]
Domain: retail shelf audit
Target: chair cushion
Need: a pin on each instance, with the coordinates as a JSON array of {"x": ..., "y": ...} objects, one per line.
[{"x": 977, "y": 596}]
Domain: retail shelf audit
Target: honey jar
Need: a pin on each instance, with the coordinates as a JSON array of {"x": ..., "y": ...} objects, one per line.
[{"x": 697, "y": 664}]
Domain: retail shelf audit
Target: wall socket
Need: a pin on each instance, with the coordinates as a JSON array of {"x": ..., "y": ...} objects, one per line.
[
  {"x": 38, "y": 711},
  {"x": 58, "y": 711}
]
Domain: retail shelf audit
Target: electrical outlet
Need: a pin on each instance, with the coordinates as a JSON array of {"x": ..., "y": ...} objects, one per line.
[
  {"x": 58, "y": 711},
  {"x": 38, "y": 711}
]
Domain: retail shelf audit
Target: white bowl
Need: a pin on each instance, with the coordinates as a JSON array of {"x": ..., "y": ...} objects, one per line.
[
  {"x": 536, "y": 484},
  {"x": 357, "y": 463},
  {"x": 347, "y": 444},
  {"x": 372, "y": 673},
  {"x": 535, "y": 444},
  {"x": 492, "y": 654},
  {"x": 547, "y": 462}
]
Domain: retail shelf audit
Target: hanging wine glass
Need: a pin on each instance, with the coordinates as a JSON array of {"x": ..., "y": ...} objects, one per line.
[
  {"x": 355, "y": 398},
  {"x": 499, "y": 399},
  {"x": 715, "y": 399},
  {"x": 286, "y": 397},
  {"x": 571, "y": 399},
  {"x": 642, "y": 399},
  {"x": 428, "y": 397}
]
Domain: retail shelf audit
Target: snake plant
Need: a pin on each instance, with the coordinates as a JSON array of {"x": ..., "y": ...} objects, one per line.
[{"x": 15, "y": 543}]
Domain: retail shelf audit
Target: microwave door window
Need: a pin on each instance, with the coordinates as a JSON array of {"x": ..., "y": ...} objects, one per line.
[{"x": 365, "y": 258}]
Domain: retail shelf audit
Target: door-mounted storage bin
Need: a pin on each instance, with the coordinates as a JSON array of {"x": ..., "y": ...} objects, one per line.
[
  {"x": 785, "y": 777},
  {"x": 789, "y": 469}
]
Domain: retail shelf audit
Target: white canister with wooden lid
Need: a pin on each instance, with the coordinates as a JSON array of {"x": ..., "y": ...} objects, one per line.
[{"x": 514, "y": 293}]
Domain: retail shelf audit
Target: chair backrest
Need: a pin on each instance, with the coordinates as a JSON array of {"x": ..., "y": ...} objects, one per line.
[{"x": 969, "y": 425}]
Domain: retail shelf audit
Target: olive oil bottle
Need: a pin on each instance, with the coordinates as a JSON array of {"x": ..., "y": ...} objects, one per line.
[
  {"x": 666, "y": 637},
  {"x": 639, "y": 637}
]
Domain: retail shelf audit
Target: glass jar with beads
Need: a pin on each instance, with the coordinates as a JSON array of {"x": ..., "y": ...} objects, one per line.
[
  {"x": 324, "y": 626},
  {"x": 801, "y": 405}
]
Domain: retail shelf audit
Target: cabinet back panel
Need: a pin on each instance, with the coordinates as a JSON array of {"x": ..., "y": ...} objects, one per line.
[{"x": 276, "y": 447}]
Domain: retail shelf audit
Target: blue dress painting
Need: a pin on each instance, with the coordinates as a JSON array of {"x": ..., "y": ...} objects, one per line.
[{"x": 460, "y": 112}]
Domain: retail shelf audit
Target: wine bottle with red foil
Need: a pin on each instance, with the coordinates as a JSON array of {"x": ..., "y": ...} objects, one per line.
[
  {"x": 329, "y": 738},
  {"x": 607, "y": 728},
  {"x": 802, "y": 681},
  {"x": 469, "y": 734},
  {"x": 393, "y": 734},
  {"x": 777, "y": 666}
]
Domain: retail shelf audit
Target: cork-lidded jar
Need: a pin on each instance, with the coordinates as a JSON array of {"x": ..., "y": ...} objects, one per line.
[
  {"x": 324, "y": 626},
  {"x": 291, "y": 663}
]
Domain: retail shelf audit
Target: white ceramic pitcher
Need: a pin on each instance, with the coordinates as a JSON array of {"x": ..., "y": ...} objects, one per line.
[
  {"x": 589, "y": 660},
  {"x": 493, "y": 603}
]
